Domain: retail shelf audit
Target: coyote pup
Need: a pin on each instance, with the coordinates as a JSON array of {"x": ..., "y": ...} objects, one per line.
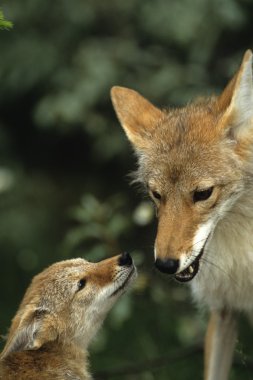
[
  {"x": 196, "y": 162},
  {"x": 61, "y": 312}
]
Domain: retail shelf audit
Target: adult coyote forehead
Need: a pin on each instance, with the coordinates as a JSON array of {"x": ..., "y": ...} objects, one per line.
[
  {"x": 60, "y": 313},
  {"x": 197, "y": 165}
]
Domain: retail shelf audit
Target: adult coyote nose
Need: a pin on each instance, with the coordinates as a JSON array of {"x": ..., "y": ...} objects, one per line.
[{"x": 169, "y": 266}]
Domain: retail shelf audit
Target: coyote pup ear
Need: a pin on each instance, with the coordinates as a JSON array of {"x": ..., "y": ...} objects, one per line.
[
  {"x": 136, "y": 114},
  {"x": 237, "y": 99},
  {"x": 30, "y": 331}
]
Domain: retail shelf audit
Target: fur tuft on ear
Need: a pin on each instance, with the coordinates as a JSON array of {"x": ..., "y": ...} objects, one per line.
[
  {"x": 29, "y": 331},
  {"x": 237, "y": 100},
  {"x": 136, "y": 114}
]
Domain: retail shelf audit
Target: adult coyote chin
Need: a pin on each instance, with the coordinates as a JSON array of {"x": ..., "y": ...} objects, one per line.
[{"x": 196, "y": 162}]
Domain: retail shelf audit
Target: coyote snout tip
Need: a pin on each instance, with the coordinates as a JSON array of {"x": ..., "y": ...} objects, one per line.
[{"x": 169, "y": 266}]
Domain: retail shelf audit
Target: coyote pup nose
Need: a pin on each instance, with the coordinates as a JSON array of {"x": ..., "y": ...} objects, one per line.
[
  {"x": 125, "y": 259},
  {"x": 169, "y": 266}
]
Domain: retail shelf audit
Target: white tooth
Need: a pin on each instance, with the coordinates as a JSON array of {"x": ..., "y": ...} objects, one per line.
[{"x": 191, "y": 270}]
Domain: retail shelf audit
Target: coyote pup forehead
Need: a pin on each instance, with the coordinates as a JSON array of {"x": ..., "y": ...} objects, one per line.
[{"x": 55, "y": 286}]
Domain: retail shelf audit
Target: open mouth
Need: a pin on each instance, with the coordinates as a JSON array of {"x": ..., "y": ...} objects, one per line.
[
  {"x": 125, "y": 283},
  {"x": 190, "y": 272}
]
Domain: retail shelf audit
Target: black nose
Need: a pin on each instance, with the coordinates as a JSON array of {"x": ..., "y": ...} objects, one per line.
[
  {"x": 169, "y": 266},
  {"x": 125, "y": 260}
]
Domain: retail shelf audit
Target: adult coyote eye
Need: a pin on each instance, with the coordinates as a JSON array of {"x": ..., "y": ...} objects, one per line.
[
  {"x": 156, "y": 195},
  {"x": 81, "y": 284},
  {"x": 202, "y": 195}
]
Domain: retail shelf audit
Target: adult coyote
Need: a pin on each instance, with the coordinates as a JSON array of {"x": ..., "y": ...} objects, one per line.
[{"x": 196, "y": 163}]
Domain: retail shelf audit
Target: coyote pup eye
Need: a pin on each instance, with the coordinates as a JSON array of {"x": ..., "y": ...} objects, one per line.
[
  {"x": 81, "y": 284},
  {"x": 202, "y": 195},
  {"x": 156, "y": 195}
]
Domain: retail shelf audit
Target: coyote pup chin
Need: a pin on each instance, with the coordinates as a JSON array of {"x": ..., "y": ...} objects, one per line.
[
  {"x": 196, "y": 163},
  {"x": 61, "y": 312}
]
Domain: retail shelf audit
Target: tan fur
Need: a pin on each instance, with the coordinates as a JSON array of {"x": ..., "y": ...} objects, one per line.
[
  {"x": 137, "y": 125},
  {"x": 57, "y": 319},
  {"x": 206, "y": 145}
]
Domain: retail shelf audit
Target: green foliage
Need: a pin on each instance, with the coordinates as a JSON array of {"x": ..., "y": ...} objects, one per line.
[
  {"x": 4, "y": 24},
  {"x": 64, "y": 159},
  {"x": 100, "y": 225}
]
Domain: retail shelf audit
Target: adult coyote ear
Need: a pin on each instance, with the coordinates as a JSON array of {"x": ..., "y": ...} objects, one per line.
[
  {"x": 136, "y": 114},
  {"x": 237, "y": 100},
  {"x": 30, "y": 331}
]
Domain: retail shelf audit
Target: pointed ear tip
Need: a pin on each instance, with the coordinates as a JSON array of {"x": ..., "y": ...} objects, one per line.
[
  {"x": 115, "y": 92},
  {"x": 248, "y": 55},
  {"x": 122, "y": 94},
  {"x": 119, "y": 90},
  {"x": 114, "y": 89}
]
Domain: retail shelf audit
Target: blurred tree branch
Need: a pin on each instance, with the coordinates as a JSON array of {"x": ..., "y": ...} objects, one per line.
[
  {"x": 151, "y": 364},
  {"x": 164, "y": 361}
]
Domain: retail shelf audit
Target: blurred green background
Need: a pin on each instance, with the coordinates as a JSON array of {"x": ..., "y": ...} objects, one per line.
[{"x": 64, "y": 159}]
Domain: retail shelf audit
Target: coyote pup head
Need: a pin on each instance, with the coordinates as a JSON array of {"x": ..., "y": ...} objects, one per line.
[
  {"x": 67, "y": 302},
  {"x": 193, "y": 162}
]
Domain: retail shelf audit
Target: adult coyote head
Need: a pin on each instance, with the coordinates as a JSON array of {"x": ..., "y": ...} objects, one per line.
[{"x": 193, "y": 162}]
